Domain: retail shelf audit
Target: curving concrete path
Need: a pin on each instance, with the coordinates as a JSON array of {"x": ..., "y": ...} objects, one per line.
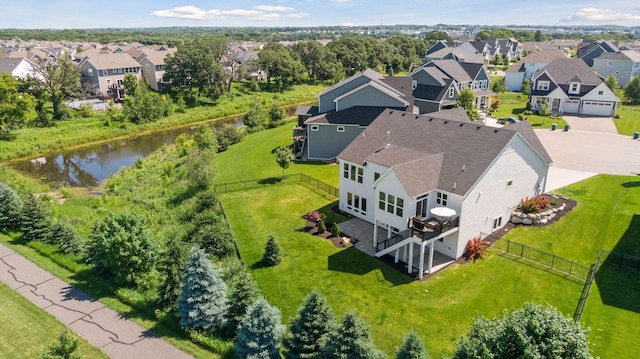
[{"x": 115, "y": 335}]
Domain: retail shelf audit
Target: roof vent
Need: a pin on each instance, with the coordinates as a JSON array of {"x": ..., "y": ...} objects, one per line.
[
  {"x": 454, "y": 186},
  {"x": 464, "y": 167},
  {"x": 388, "y": 139}
]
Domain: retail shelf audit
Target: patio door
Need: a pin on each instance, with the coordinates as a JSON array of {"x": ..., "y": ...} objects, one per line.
[{"x": 422, "y": 203}]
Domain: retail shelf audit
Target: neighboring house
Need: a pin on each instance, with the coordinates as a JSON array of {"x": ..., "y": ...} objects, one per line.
[
  {"x": 153, "y": 67},
  {"x": 454, "y": 53},
  {"x": 404, "y": 165},
  {"x": 506, "y": 48},
  {"x": 105, "y": 73},
  {"x": 589, "y": 50},
  {"x": 18, "y": 67},
  {"x": 525, "y": 68},
  {"x": 327, "y": 129},
  {"x": 625, "y": 65},
  {"x": 569, "y": 86},
  {"x": 438, "y": 83}
]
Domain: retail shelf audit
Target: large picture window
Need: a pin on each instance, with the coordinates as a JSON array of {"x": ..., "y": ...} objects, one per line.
[
  {"x": 391, "y": 204},
  {"x": 356, "y": 203}
]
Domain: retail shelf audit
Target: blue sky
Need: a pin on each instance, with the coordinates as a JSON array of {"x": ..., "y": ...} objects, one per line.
[{"x": 58, "y": 14}]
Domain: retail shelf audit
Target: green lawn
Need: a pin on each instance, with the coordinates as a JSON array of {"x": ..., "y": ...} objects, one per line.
[
  {"x": 629, "y": 121},
  {"x": 512, "y": 103},
  {"x": 441, "y": 309},
  {"x": 27, "y": 331}
]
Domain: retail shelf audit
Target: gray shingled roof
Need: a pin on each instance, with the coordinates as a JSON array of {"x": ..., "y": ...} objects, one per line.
[
  {"x": 431, "y": 93},
  {"x": 563, "y": 71},
  {"x": 542, "y": 56},
  {"x": 357, "y": 115},
  {"x": 453, "y": 69},
  {"x": 416, "y": 141},
  {"x": 8, "y": 64},
  {"x": 625, "y": 55},
  {"x": 111, "y": 61}
]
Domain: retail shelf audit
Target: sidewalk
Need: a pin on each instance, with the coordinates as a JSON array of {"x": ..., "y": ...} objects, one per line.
[{"x": 116, "y": 336}]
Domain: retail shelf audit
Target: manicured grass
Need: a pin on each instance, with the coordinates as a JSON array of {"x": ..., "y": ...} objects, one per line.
[
  {"x": 512, "y": 103},
  {"x": 77, "y": 131},
  {"x": 252, "y": 159},
  {"x": 629, "y": 121},
  {"x": 441, "y": 309},
  {"x": 27, "y": 331}
]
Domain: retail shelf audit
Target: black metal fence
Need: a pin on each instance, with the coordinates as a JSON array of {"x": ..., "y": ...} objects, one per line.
[
  {"x": 550, "y": 260},
  {"x": 621, "y": 260},
  {"x": 585, "y": 291},
  {"x": 291, "y": 178}
]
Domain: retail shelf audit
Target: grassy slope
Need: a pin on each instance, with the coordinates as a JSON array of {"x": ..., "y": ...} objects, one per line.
[
  {"x": 27, "y": 331},
  {"x": 441, "y": 309},
  {"x": 32, "y": 141}
]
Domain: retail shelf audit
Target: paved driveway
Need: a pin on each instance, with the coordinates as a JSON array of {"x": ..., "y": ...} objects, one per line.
[{"x": 593, "y": 124}]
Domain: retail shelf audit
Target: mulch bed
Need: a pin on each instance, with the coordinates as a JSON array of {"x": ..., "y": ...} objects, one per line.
[{"x": 338, "y": 242}]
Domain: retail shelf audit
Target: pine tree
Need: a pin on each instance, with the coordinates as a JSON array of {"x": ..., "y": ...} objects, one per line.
[
  {"x": 310, "y": 328},
  {"x": 65, "y": 236},
  {"x": 272, "y": 254},
  {"x": 351, "y": 341},
  {"x": 35, "y": 220},
  {"x": 63, "y": 348},
  {"x": 245, "y": 293},
  {"x": 260, "y": 332},
  {"x": 171, "y": 266},
  {"x": 203, "y": 301},
  {"x": 10, "y": 208},
  {"x": 412, "y": 348}
]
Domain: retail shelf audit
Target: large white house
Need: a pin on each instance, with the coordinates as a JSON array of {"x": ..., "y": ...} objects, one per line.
[{"x": 404, "y": 165}]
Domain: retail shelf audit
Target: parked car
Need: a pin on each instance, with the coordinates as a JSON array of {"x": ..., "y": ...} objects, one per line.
[{"x": 507, "y": 120}]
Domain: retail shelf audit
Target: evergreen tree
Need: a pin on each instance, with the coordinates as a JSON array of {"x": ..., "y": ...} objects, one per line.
[
  {"x": 63, "y": 348},
  {"x": 526, "y": 87},
  {"x": 272, "y": 253},
  {"x": 276, "y": 115},
  {"x": 412, "y": 348},
  {"x": 245, "y": 292},
  {"x": 351, "y": 341},
  {"x": 260, "y": 332},
  {"x": 10, "y": 208},
  {"x": 310, "y": 328},
  {"x": 171, "y": 266},
  {"x": 65, "y": 236},
  {"x": 203, "y": 300},
  {"x": 35, "y": 220}
]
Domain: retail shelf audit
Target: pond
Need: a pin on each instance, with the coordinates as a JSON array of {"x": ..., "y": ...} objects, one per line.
[{"x": 88, "y": 166}]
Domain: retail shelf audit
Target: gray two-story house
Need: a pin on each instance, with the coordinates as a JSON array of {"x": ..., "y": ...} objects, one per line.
[{"x": 624, "y": 65}]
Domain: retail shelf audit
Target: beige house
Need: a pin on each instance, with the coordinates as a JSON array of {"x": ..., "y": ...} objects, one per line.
[
  {"x": 152, "y": 63},
  {"x": 104, "y": 73}
]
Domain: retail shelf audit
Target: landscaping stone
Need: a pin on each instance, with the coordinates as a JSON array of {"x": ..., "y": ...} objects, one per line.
[{"x": 527, "y": 221}]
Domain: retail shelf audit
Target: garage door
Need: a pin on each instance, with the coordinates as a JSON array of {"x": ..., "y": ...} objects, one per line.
[
  {"x": 571, "y": 106},
  {"x": 597, "y": 108}
]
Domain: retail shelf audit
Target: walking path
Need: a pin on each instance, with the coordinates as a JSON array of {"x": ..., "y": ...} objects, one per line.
[{"x": 115, "y": 335}]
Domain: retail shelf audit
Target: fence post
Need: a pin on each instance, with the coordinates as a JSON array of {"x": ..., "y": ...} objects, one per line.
[
  {"x": 521, "y": 250},
  {"x": 553, "y": 260},
  {"x": 508, "y": 245},
  {"x": 571, "y": 268},
  {"x": 621, "y": 259}
]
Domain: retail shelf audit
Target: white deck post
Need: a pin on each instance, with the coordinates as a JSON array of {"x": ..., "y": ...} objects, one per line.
[
  {"x": 421, "y": 259},
  {"x": 404, "y": 254},
  {"x": 431, "y": 247},
  {"x": 397, "y": 257},
  {"x": 410, "y": 266},
  {"x": 375, "y": 234}
]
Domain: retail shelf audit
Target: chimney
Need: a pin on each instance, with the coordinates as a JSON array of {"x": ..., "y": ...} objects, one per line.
[{"x": 388, "y": 140}]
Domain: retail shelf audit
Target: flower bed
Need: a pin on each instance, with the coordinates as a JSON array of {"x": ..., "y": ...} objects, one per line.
[{"x": 541, "y": 210}]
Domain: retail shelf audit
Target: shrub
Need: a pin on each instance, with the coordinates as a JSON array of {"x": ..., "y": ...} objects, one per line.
[
  {"x": 86, "y": 109},
  {"x": 272, "y": 253},
  {"x": 321, "y": 227},
  {"x": 335, "y": 230},
  {"x": 312, "y": 216},
  {"x": 534, "y": 204},
  {"x": 475, "y": 248}
]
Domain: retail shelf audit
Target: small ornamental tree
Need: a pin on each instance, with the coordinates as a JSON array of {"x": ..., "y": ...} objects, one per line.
[
  {"x": 412, "y": 348},
  {"x": 121, "y": 248},
  {"x": 335, "y": 230},
  {"x": 276, "y": 115},
  {"x": 203, "y": 300},
  {"x": 272, "y": 254},
  {"x": 255, "y": 117},
  {"x": 475, "y": 248},
  {"x": 310, "y": 328},
  {"x": 284, "y": 157},
  {"x": 534, "y": 331},
  {"x": 260, "y": 332},
  {"x": 63, "y": 348},
  {"x": 322, "y": 227},
  {"x": 526, "y": 87},
  {"x": 312, "y": 216},
  {"x": 35, "y": 220},
  {"x": 351, "y": 341},
  {"x": 10, "y": 208},
  {"x": 467, "y": 100},
  {"x": 245, "y": 292}
]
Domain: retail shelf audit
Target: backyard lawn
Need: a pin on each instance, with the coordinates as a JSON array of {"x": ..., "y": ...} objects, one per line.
[
  {"x": 512, "y": 103},
  {"x": 27, "y": 331}
]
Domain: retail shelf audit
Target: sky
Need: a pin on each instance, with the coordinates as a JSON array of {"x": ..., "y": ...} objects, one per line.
[{"x": 81, "y": 14}]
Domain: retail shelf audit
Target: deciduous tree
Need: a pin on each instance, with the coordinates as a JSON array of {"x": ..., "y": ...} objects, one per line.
[
  {"x": 467, "y": 100},
  {"x": 276, "y": 60},
  {"x": 63, "y": 348},
  {"x": 60, "y": 81},
  {"x": 284, "y": 157},
  {"x": 14, "y": 106},
  {"x": 260, "y": 332}
]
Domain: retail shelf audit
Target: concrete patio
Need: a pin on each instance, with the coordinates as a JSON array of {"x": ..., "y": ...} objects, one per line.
[{"x": 362, "y": 231}]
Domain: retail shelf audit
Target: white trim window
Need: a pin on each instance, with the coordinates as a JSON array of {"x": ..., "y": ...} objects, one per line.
[
  {"x": 451, "y": 92},
  {"x": 90, "y": 71},
  {"x": 574, "y": 88},
  {"x": 497, "y": 222},
  {"x": 543, "y": 85},
  {"x": 147, "y": 67},
  {"x": 356, "y": 203},
  {"x": 108, "y": 81},
  {"x": 391, "y": 204},
  {"x": 352, "y": 172},
  {"x": 609, "y": 63},
  {"x": 340, "y": 128},
  {"x": 441, "y": 198},
  {"x": 315, "y": 127},
  {"x": 105, "y": 72},
  {"x": 509, "y": 183}
]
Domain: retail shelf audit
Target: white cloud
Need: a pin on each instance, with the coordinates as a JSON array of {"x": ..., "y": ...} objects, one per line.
[
  {"x": 339, "y": 0},
  {"x": 273, "y": 8},
  {"x": 258, "y": 13},
  {"x": 590, "y": 14}
]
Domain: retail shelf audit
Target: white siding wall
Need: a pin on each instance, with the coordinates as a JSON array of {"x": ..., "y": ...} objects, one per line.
[
  {"x": 364, "y": 190},
  {"x": 389, "y": 184},
  {"x": 490, "y": 198}
]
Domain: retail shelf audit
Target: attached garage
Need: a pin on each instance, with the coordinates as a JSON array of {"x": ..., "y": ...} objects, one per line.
[
  {"x": 597, "y": 108},
  {"x": 571, "y": 106}
]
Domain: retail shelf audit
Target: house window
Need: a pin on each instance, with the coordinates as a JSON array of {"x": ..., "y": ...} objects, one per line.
[
  {"x": 360, "y": 174},
  {"x": 422, "y": 202},
  {"x": 108, "y": 81},
  {"x": 475, "y": 85},
  {"x": 451, "y": 92},
  {"x": 509, "y": 183},
  {"x": 600, "y": 92},
  {"x": 314, "y": 127},
  {"x": 356, "y": 203},
  {"x": 120, "y": 70},
  {"x": 105, "y": 72},
  {"x": 90, "y": 72},
  {"x": 485, "y": 84},
  {"x": 340, "y": 128},
  {"x": 609, "y": 63},
  {"x": 617, "y": 72},
  {"x": 353, "y": 173},
  {"x": 391, "y": 204},
  {"x": 345, "y": 170},
  {"x": 543, "y": 85},
  {"x": 147, "y": 67},
  {"x": 376, "y": 176},
  {"x": 441, "y": 198},
  {"x": 497, "y": 222},
  {"x": 575, "y": 87}
]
